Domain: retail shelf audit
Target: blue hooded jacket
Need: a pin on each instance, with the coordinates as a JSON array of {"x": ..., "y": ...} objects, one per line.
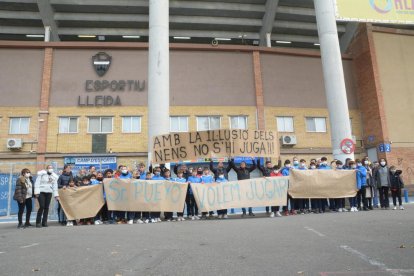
[
  {"x": 285, "y": 171},
  {"x": 361, "y": 176}
]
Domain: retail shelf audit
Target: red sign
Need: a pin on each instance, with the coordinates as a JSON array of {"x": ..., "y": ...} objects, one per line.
[{"x": 347, "y": 146}]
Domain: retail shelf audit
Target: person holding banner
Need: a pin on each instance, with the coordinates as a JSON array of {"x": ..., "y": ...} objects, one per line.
[
  {"x": 168, "y": 216},
  {"x": 243, "y": 172},
  {"x": 220, "y": 169},
  {"x": 141, "y": 171},
  {"x": 340, "y": 202},
  {"x": 221, "y": 214},
  {"x": 45, "y": 187},
  {"x": 180, "y": 179},
  {"x": 183, "y": 168},
  {"x": 302, "y": 203},
  {"x": 157, "y": 176},
  {"x": 63, "y": 182},
  {"x": 206, "y": 178},
  {"x": 23, "y": 195},
  {"x": 190, "y": 200},
  {"x": 267, "y": 172},
  {"x": 286, "y": 172},
  {"x": 361, "y": 182}
]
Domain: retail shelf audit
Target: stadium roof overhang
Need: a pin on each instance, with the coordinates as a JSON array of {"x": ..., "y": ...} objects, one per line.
[{"x": 291, "y": 23}]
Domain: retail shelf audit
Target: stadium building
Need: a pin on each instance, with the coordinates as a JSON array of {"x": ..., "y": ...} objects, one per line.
[{"x": 74, "y": 79}]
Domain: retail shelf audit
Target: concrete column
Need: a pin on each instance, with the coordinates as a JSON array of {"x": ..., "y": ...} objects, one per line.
[
  {"x": 268, "y": 40},
  {"x": 47, "y": 33},
  {"x": 158, "y": 71},
  {"x": 334, "y": 77}
]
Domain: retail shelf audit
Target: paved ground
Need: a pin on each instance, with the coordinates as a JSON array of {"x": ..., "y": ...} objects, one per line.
[{"x": 365, "y": 243}]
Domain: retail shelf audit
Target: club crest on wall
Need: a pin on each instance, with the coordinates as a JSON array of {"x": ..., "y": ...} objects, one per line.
[{"x": 101, "y": 62}]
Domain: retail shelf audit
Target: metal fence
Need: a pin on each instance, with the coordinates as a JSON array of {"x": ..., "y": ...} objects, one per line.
[{"x": 9, "y": 172}]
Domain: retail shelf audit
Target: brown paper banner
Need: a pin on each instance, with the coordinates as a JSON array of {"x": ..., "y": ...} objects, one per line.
[
  {"x": 176, "y": 147},
  {"x": 82, "y": 202},
  {"x": 258, "y": 192},
  {"x": 322, "y": 183},
  {"x": 145, "y": 196}
]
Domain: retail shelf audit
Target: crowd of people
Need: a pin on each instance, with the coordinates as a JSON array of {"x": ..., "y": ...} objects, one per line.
[{"x": 374, "y": 182}]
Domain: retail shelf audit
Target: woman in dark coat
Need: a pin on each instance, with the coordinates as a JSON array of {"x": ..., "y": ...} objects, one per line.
[{"x": 23, "y": 195}]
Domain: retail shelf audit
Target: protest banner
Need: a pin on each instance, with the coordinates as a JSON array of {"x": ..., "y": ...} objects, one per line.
[
  {"x": 81, "y": 202},
  {"x": 145, "y": 196},
  {"x": 176, "y": 147},
  {"x": 322, "y": 183},
  {"x": 258, "y": 192}
]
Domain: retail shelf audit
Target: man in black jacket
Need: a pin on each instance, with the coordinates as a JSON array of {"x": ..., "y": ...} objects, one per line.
[
  {"x": 63, "y": 181},
  {"x": 243, "y": 172},
  {"x": 220, "y": 168},
  {"x": 266, "y": 171}
]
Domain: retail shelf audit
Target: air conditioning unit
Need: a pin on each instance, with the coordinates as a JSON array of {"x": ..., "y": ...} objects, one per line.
[
  {"x": 289, "y": 140},
  {"x": 14, "y": 143}
]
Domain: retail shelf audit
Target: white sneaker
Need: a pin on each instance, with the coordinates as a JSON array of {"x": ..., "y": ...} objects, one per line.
[
  {"x": 69, "y": 223},
  {"x": 344, "y": 210},
  {"x": 193, "y": 218},
  {"x": 352, "y": 209},
  {"x": 96, "y": 223},
  {"x": 197, "y": 217},
  {"x": 178, "y": 218},
  {"x": 146, "y": 221},
  {"x": 139, "y": 221},
  {"x": 130, "y": 221},
  {"x": 272, "y": 215},
  {"x": 153, "y": 221},
  {"x": 182, "y": 219},
  {"x": 395, "y": 208},
  {"x": 278, "y": 214},
  {"x": 340, "y": 210},
  {"x": 225, "y": 216},
  {"x": 401, "y": 207}
]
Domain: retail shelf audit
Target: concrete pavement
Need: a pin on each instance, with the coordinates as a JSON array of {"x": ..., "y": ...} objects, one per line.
[{"x": 377, "y": 242}]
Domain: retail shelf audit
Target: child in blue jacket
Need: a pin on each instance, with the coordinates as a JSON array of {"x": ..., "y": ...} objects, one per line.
[
  {"x": 189, "y": 200},
  {"x": 180, "y": 179},
  {"x": 361, "y": 185}
]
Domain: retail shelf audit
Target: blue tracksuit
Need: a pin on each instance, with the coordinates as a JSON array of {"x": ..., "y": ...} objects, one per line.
[
  {"x": 207, "y": 179},
  {"x": 324, "y": 167},
  {"x": 219, "y": 180},
  {"x": 125, "y": 176},
  {"x": 181, "y": 180},
  {"x": 157, "y": 177}
]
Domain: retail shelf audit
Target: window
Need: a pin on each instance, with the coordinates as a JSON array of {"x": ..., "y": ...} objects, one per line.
[
  {"x": 19, "y": 125},
  {"x": 100, "y": 125},
  {"x": 208, "y": 123},
  {"x": 314, "y": 124},
  {"x": 285, "y": 124},
  {"x": 68, "y": 125},
  {"x": 178, "y": 124},
  {"x": 131, "y": 124},
  {"x": 238, "y": 122}
]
